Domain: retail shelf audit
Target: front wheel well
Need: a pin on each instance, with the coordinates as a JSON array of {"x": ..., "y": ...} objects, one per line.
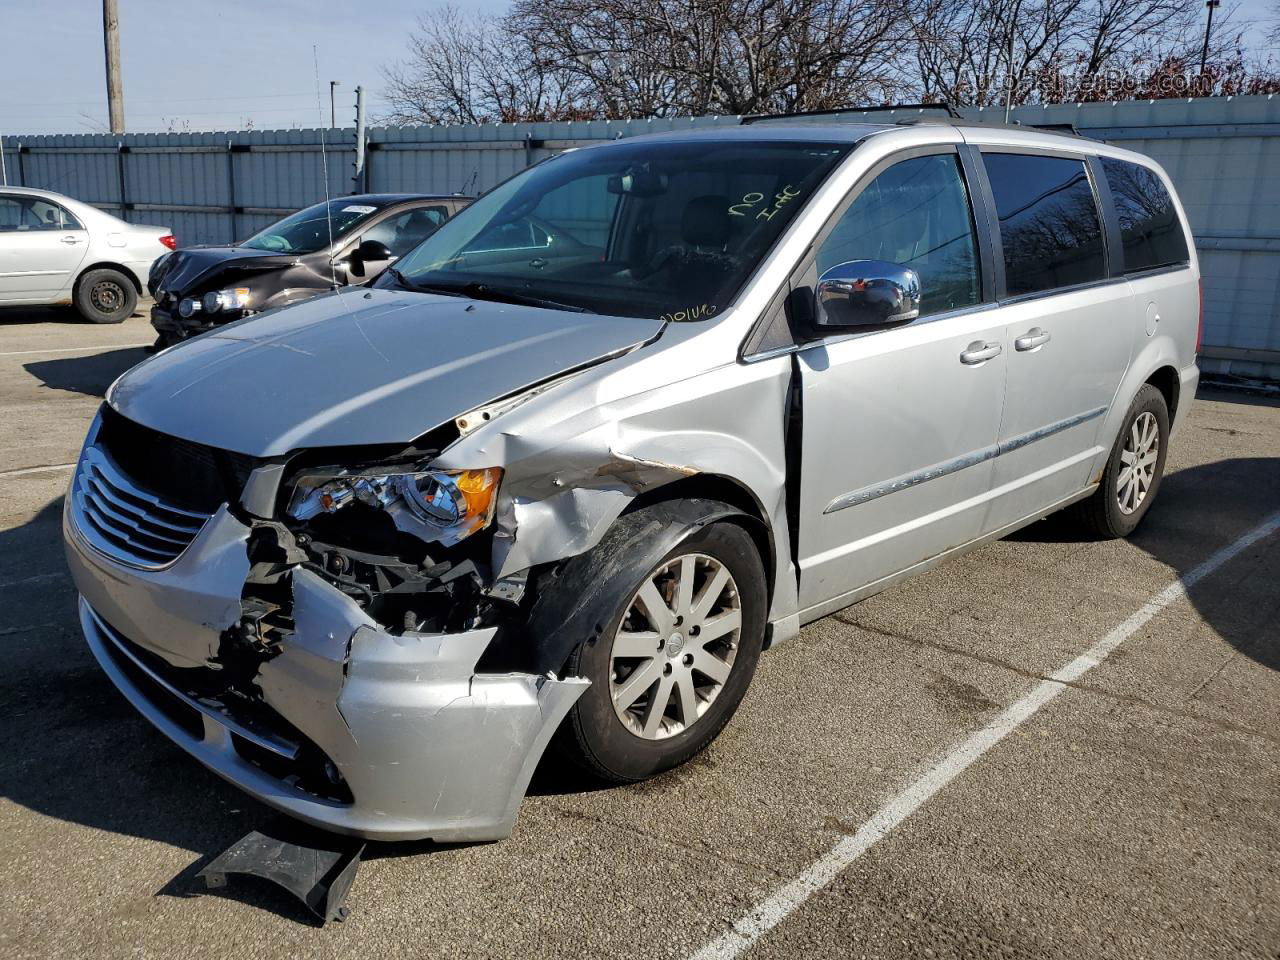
[
  {"x": 1166, "y": 381},
  {"x": 108, "y": 265},
  {"x": 711, "y": 486}
]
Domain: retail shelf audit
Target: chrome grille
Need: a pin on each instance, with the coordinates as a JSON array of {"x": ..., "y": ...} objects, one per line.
[{"x": 124, "y": 521}]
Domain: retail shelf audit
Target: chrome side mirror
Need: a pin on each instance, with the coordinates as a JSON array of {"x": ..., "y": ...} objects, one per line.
[{"x": 862, "y": 293}]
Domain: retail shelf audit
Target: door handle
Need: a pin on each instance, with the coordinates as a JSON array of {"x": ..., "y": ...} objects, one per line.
[
  {"x": 980, "y": 351},
  {"x": 71, "y": 240},
  {"x": 1035, "y": 337}
]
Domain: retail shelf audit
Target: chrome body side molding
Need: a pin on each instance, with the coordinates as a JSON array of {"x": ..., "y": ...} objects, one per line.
[{"x": 947, "y": 467}]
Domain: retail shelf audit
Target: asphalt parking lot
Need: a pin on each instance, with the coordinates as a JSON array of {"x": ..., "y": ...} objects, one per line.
[{"x": 1134, "y": 812}]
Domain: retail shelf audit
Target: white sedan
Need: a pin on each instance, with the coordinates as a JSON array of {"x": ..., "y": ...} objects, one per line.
[{"x": 56, "y": 250}]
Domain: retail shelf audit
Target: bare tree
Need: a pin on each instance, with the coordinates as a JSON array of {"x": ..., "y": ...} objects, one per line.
[
  {"x": 670, "y": 57},
  {"x": 472, "y": 69},
  {"x": 579, "y": 59},
  {"x": 980, "y": 51}
]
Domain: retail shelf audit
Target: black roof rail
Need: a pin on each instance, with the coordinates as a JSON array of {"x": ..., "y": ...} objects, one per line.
[
  {"x": 946, "y": 108},
  {"x": 951, "y": 115}
]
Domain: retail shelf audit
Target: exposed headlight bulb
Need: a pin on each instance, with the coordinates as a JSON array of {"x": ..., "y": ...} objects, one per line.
[
  {"x": 443, "y": 506},
  {"x": 231, "y": 299}
]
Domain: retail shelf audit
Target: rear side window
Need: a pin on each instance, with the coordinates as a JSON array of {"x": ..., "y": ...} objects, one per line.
[
  {"x": 1049, "y": 223},
  {"x": 1150, "y": 232}
]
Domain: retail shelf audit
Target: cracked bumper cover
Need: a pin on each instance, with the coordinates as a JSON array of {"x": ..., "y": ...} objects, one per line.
[{"x": 428, "y": 747}]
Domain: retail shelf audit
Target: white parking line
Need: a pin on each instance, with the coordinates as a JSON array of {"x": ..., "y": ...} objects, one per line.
[
  {"x": 786, "y": 899},
  {"x": 49, "y": 468},
  {"x": 101, "y": 346},
  {"x": 38, "y": 578}
]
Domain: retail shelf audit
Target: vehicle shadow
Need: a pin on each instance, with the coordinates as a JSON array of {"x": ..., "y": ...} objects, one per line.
[
  {"x": 90, "y": 374},
  {"x": 1197, "y": 512},
  {"x": 16, "y": 316},
  {"x": 83, "y": 755}
]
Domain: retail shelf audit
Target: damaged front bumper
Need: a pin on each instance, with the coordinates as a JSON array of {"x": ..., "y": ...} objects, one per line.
[{"x": 359, "y": 730}]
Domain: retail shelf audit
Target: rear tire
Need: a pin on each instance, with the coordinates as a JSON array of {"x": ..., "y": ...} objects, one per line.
[
  {"x": 106, "y": 296},
  {"x": 1133, "y": 472},
  {"x": 671, "y": 710}
]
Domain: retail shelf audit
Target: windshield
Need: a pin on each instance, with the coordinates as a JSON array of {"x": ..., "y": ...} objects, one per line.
[
  {"x": 644, "y": 229},
  {"x": 308, "y": 230}
]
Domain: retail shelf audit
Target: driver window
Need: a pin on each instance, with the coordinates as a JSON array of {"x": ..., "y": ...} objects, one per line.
[
  {"x": 406, "y": 230},
  {"x": 34, "y": 213},
  {"x": 917, "y": 214}
]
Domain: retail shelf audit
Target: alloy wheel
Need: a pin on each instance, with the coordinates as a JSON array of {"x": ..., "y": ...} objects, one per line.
[
  {"x": 675, "y": 647},
  {"x": 1138, "y": 460}
]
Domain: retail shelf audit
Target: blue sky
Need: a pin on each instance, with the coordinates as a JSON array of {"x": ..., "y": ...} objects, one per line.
[{"x": 210, "y": 64}]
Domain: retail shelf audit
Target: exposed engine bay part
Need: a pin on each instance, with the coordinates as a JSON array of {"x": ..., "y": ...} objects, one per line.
[{"x": 315, "y": 866}]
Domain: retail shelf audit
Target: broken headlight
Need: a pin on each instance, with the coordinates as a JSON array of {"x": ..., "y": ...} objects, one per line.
[
  {"x": 231, "y": 300},
  {"x": 439, "y": 506}
]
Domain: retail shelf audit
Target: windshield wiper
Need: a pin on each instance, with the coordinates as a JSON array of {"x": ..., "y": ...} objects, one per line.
[
  {"x": 408, "y": 284},
  {"x": 482, "y": 291}
]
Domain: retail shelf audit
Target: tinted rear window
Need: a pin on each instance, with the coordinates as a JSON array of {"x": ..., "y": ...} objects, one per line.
[
  {"x": 1150, "y": 231},
  {"x": 1049, "y": 223}
]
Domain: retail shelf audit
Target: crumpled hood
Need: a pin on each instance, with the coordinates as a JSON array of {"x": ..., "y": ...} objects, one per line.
[
  {"x": 359, "y": 367},
  {"x": 183, "y": 270}
]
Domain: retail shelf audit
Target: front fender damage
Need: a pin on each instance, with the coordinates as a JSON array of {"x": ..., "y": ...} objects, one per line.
[{"x": 550, "y": 511}]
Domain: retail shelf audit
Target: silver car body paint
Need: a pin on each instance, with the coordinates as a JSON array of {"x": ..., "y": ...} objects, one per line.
[
  {"x": 904, "y": 461},
  {"x": 42, "y": 266},
  {"x": 364, "y": 367}
]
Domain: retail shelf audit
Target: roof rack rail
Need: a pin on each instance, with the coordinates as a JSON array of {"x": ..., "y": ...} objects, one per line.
[
  {"x": 949, "y": 110},
  {"x": 951, "y": 115}
]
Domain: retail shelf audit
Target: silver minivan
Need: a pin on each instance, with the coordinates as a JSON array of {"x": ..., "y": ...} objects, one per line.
[{"x": 637, "y": 414}]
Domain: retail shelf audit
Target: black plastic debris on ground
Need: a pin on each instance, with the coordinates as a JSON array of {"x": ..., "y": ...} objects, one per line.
[{"x": 316, "y": 867}]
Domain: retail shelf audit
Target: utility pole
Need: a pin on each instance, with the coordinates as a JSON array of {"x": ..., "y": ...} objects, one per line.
[
  {"x": 1208, "y": 28},
  {"x": 358, "y": 180},
  {"x": 115, "y": 89},
  {"x": 332, "y": 122},
  {"x": 1008, "y": 84},
  {"x": 4, "y": 173}
]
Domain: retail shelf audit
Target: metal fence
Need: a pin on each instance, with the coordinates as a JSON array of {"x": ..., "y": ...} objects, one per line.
[{"x": 1223, "y": 154}]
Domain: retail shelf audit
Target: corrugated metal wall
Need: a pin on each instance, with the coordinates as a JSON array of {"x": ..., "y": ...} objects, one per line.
[{"x": 1223, "y": 154}]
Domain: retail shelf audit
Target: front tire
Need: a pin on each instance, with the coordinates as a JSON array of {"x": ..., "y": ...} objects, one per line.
[
  {"x": 674, "y": 660},
  {"x": 1133, "y": 472},
  {"x": 106, "y": 296}
]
